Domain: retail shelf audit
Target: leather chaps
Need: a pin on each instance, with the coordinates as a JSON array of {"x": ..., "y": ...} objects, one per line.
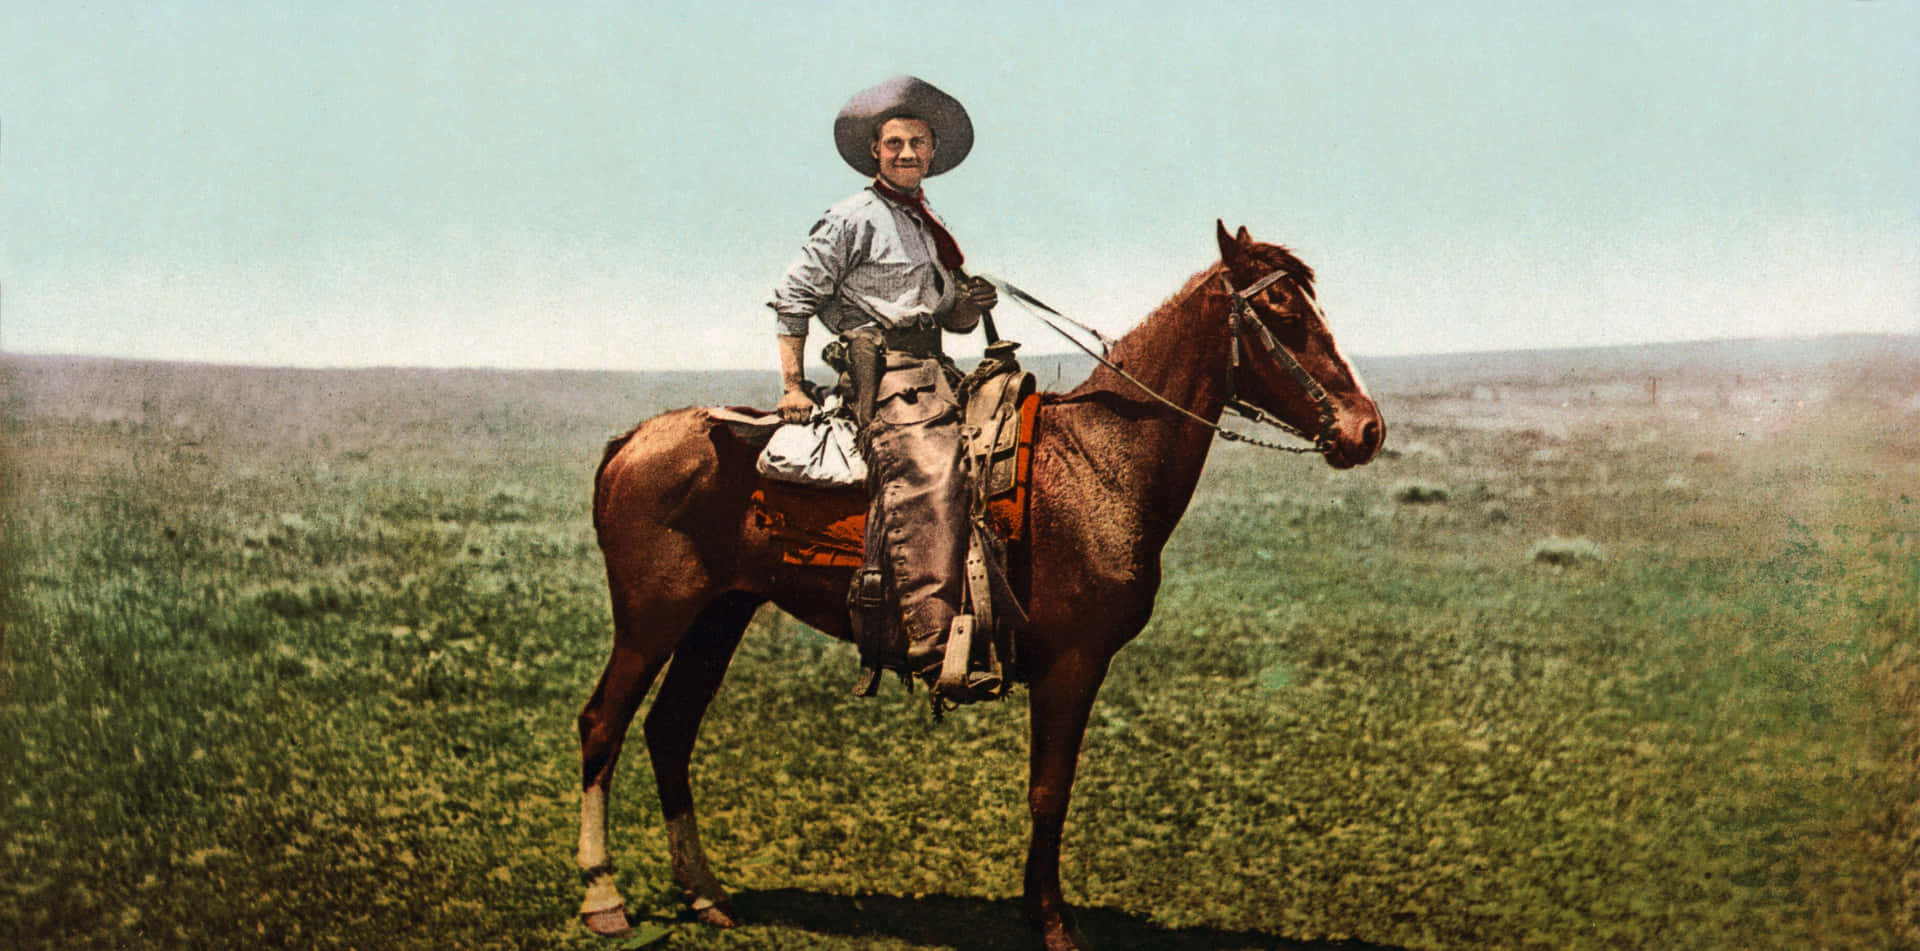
[{"x": 917, "y": 520}]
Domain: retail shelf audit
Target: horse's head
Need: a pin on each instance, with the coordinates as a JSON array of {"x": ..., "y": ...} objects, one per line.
[{"x": 1287, "y": 363}]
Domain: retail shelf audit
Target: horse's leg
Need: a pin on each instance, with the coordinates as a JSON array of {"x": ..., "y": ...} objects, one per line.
[
  {"x": 1062, "y": 695},
  {"x": 699, "y": 664},
  {"x": 639, "y": 651}
]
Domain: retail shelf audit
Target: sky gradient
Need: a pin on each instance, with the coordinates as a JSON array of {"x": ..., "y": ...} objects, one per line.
[{"x": 618, "y": 187}]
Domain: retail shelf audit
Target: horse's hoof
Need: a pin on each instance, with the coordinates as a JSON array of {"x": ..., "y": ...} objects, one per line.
[
  {"x": 607, "y": 922},
  {"x": 1059, "y": 932},
  {"x": 1066, "y": 938},
  {"x": 716, "y": 914}
]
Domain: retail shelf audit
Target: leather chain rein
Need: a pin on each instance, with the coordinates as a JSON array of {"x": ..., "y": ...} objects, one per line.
[{"x": 1242, "y": 313}]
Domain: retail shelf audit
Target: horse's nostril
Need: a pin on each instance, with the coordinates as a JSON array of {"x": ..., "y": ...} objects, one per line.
[{"x": 1370, "y": 436}]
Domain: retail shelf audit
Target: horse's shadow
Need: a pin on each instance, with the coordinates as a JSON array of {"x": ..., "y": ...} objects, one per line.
[{"x": 981, "y": 924}]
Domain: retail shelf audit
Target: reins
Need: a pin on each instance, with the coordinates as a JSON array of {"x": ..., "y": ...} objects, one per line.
[{"x": 1242, "y": 313}]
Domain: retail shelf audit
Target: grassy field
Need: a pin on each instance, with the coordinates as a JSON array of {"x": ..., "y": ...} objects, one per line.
[{"x": 1613, "y": 649}]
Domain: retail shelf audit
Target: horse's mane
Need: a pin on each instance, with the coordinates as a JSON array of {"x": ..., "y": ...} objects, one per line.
[
  {"x": 1270, "y": 256},
  {"x": 1283, "y": 258}
]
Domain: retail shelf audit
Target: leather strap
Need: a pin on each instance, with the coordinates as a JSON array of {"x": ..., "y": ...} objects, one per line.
[
  {"x": 1322, "y": 440},
  {"x": 978, "y": 589},
  {"x": 866, "y": 360},
  {"x": 953, "y": 667}
]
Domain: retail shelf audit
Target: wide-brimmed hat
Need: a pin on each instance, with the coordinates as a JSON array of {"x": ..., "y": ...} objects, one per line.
[{"x": 903, "y": 96}]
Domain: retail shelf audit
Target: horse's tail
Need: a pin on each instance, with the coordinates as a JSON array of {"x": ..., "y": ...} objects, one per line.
[{"x": 614, "y": 446}]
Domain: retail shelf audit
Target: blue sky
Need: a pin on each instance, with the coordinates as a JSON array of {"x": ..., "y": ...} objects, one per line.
[{"x": 618, "y": 186}]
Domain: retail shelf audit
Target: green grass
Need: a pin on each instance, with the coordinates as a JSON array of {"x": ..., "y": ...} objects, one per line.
[{"x": 306, "y": 678}]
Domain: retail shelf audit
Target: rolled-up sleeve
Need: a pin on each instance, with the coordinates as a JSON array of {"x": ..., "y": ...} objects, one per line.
[{"x": 814, "y": 276}]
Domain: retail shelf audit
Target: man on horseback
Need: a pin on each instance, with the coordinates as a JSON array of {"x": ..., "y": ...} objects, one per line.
[{"x": 883, "y": 273}]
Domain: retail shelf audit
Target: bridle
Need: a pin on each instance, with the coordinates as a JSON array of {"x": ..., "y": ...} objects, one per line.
[{"x": 1240, "y": 314}]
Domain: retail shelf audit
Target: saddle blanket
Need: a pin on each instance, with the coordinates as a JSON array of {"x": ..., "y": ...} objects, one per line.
[{"x": 825, "y": 526}]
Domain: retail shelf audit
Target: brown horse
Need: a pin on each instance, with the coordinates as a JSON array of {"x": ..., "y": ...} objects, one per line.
[{"x": 1113, "y": 470}]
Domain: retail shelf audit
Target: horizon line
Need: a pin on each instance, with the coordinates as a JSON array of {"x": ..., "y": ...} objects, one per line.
[{"x": 7, "y": 354}]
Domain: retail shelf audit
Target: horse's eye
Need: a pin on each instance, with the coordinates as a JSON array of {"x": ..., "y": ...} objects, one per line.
[
  {"x": 1289, "y": 326},
  {"x": 1280, "y": 301},
  {"x": 1279, "y": 307}
]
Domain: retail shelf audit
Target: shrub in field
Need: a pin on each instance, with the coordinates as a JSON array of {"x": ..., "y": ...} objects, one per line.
[
  {"x": 305, "y": 600},
  {"x": 1422, "y": 450},
  {"x": 1554, "y": 550},
  {"x": 1413, "y": 492}
]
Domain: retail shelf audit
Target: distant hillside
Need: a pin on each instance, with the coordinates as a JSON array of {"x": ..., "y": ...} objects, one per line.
[
  {"x": 383, "y": 411},
  {"x": 1860, "y": 356},
  {"x": 276, "y": 404},
  {"x": 1874, "y": 355}
]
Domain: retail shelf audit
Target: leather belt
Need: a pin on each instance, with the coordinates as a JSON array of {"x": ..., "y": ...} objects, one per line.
[{"x": 918, "y": 341}]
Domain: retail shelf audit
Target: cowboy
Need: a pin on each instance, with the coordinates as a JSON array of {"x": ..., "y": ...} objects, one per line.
[{"x": 882, "y": 272}]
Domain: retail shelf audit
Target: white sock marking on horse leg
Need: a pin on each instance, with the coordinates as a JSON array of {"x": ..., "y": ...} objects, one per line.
[
  {"x": 593, "y": 827},
  {"x": 602, "y": 893}
]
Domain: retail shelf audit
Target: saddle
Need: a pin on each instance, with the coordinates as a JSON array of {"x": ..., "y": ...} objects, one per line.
[
  {"x": 825, "y": 527},
  {"x": 820, "y": 527}
]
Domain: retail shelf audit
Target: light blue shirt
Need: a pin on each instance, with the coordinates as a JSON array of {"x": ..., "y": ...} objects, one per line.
[{"x": 867, "y": 261}]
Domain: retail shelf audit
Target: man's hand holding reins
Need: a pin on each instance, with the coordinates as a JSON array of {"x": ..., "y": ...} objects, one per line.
[{"x": 977, "y": 296}]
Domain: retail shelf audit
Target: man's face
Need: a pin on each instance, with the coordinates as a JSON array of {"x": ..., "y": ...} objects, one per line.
[{"x": 905, "y": 149}]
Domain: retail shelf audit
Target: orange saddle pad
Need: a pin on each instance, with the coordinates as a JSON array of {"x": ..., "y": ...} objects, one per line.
[{"x": 826, "y": 527}]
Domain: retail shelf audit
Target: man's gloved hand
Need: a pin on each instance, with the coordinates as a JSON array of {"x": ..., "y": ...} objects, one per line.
[
  {"x": 977, "y": 297},
  {"x": 795, "y": 406}
]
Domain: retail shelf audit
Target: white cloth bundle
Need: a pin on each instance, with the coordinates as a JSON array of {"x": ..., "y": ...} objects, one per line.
[{"x": 818, "y": 452}]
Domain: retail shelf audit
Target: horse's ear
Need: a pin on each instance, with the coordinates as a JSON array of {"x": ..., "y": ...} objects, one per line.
[
  {"x": 1243, "y": 237},
  {"x": 1229, "y": 247}
]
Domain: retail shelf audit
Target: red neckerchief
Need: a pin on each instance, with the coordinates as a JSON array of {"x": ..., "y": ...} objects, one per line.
[{"x": 943, "y": 243}]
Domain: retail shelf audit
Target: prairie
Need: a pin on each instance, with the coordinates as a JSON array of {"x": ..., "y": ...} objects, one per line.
[{"x": 1612, "y": 648}]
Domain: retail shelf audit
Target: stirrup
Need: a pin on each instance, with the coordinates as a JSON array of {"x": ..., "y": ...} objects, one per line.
[
  {"x": 959, "y": 652},
  {"x": 957, "y": 683}
]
